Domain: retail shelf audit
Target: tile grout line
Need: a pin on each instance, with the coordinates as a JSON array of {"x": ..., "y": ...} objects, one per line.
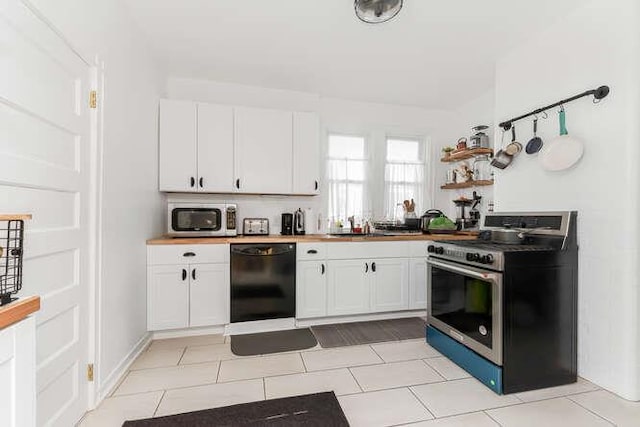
[
  {"x": 435, "y": 370},
  {"x": 421, "y": 402},
  {"x": 184, "y": 351},
  {"x": 356, "y": 380},
  {"x": 159, "y": 402},
  {"x": 218, "y": 372},
  {"x": 489, "y": 415},
  {"x": 264, "y": 388},
  {"x": 303, "y": 364},
  {"x": 589, "y": 410}
]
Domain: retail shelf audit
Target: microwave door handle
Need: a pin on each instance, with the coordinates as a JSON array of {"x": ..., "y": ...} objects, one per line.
[{"x": 464, "y": 271}]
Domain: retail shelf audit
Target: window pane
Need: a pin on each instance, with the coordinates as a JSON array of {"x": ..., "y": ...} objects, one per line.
[
  {"x": 399, "y": 172},
  {"x": 355, "y": 170},
  {"x": 403, "y": 150},
  {"x": 342, "y": 146}
]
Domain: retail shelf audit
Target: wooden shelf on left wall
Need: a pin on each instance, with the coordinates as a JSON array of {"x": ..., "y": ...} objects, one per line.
[{"x": 467, "y": 184}]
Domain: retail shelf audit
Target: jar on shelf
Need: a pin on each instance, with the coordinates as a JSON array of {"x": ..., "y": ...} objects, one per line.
[{"x": 482, "y": 170}]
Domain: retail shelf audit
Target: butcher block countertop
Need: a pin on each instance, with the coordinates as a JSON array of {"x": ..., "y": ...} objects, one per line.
[
  {"x": 165, "y": 240},
  {"x": 18, "y": 310}
]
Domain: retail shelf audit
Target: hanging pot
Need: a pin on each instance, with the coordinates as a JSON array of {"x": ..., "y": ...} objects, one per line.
[
  {"x": 563, "y": 151},
  {"x": 535, "y": 144}
]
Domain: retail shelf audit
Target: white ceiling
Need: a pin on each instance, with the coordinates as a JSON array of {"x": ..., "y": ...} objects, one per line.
[{"x": 434, "y": 54}]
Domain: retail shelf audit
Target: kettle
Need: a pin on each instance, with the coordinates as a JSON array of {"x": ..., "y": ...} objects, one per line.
[
  {"x": 298, "y": 222},
  {"x": 427, "y": 217}
]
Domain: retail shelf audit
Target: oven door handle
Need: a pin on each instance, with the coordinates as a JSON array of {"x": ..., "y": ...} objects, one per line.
[{"x": 467, "y": 271}]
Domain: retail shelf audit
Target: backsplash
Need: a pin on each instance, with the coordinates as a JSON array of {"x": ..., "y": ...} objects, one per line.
[{"x": 257, "y": 206}]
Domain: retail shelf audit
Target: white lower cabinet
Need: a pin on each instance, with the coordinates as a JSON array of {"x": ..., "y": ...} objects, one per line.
[
  {"x": 418, "y": 284},
  {"x": 389, "y": 281},
  {"x": 348, "y": 287},
  {"x": 180, "y": 296},
  {"x": 311, "y": 289}
]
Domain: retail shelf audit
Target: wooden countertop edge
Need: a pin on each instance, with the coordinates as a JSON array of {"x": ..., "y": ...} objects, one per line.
[
  {"x": 304, "y": 239},
  {"x": 18, "y": 310},
  {"x": 14, "y": 217}
]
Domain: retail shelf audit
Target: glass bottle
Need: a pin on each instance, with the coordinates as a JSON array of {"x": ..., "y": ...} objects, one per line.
[{"x": 482, "y": 170}]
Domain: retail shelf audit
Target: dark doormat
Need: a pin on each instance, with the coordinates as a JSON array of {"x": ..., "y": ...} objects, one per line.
[
  {"x": 272, "y": 342},
  {"x": 312, "y": 410},
  {"x": 344, "y": 334}
]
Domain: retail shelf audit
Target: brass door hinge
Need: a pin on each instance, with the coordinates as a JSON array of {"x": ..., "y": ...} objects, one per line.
[
  {"x": 93, "y": 99},
  {"x": 90, "y": 372}
]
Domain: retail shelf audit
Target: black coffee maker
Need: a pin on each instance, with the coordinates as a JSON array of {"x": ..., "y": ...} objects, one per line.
[{"x": 286, "y": 228}]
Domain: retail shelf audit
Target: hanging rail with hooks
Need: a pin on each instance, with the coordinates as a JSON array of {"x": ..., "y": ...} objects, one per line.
[{"x": 598, "y": 94}]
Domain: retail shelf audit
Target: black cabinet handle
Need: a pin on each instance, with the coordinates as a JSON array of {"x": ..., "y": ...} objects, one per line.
[
  {"x": 322, "y": 265},
  {"x": 366, "y": 267},
  {"x": 193, "y": 182},
  {"x": 188, "y": 254},
  {"x": 316, "y": 184},
  {"x": 201, "y": 181},
  {"x": 312, "y": 251},
  {"x": 238, "y": 183},
  {"x": 373, "y": 267},
  {"x": 184, "y": 274},
  {"x": 193, "y": 274}
]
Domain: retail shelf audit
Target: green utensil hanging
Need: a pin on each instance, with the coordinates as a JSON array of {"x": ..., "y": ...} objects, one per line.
[{"x": 563, "y": 123}]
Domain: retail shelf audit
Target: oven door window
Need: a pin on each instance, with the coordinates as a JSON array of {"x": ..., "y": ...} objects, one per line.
[
  {"x": 196, "y": 219},
  {"x": 464, "y": 303}
]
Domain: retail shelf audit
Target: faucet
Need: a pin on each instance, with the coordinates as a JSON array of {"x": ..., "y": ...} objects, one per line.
[{"x": 352, "y": 221}]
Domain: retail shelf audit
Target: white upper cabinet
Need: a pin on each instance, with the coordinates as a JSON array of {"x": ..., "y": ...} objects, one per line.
[
  {"x": 178, "y": 146},
  {"x": 263, "y": 151},
  {"x": 306, "y": 153},
  {"x": 215, "y": 148}
]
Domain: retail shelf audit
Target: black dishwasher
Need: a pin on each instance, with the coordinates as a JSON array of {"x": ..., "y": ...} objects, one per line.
[{"x": 263, "y": 281}]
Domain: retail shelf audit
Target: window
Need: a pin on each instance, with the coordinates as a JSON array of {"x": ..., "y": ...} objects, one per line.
[
  {"x": 403, "y": 174},
  {"x": 346, "y": 176}
]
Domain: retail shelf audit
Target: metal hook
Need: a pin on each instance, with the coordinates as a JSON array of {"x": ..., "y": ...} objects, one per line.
[
  {"x": 561, "y": 107},
  {"x": 545, "y": 116},
  {"x": 596, "y": 100}
]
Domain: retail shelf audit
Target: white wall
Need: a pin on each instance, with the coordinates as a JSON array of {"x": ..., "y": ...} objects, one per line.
[
  {"x": 131, "y": 206},
  {"x": 375, "y": 121},
  {"x": 595, "y": 45}
]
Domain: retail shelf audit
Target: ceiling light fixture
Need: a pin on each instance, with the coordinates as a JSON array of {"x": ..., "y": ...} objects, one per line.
[{"x": 376, "y": 11}]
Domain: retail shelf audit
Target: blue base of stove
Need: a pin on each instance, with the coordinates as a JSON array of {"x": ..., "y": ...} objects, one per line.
[{"x": 486, "y": 372}]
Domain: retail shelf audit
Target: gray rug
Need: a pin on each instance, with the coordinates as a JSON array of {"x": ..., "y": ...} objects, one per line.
[
  {"x": 272, "y": 342},
  {"x": 345, "y": 334}
]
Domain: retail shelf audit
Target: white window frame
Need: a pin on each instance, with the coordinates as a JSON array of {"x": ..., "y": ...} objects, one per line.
[{"x": 421, "y": 187}]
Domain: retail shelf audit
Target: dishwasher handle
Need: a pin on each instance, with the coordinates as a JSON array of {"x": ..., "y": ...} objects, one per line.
[{"x": 263, "y": 250}]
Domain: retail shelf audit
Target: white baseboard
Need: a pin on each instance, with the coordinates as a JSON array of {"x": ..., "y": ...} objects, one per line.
[
  {"x": 258, "y": 326},
  {"x": 188, "y": 332},
  {"x": 302, "y": 323},
  {"x": 113, "y": 379}
]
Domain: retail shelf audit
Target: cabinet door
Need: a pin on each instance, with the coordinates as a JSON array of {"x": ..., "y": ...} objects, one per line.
[
  {"x": 215, "y": 148},
  {"x": 418, "y": 284},
  {"x": 306, "y": 153},
  {"x": 209, "y": 296},
  {"x": 389, "y": 284},
  {"x": 178, "y": 146},
  {"x": 348, "y": 287},
  {"x": 167, "y": 297},
  {"x": 311, "y": 289},
  {"x": 263, "y": 151}
]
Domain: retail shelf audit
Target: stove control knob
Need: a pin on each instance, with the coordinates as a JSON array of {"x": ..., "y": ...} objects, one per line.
[
  {"x": 487, "y": 259},
  {"x": 431, "y": 249},
  {"x": 439, "y": 250},
  {"x": 473, "y": 257},
  {"x": 469, "y": 256}
]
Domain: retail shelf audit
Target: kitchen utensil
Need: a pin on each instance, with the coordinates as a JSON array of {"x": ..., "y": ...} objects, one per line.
[
  {"x": 479, "y": 139},
  {"x": 426, "y": 218},
  {"x": 299, "y": 222},
  {"x": 515, "y": 147},
  {"x": 462, "y": 221},
  {"x": 513, "y": 236},
  {"x": 255, "y": 226},
  {"x": 442, "y": 225},
  {"x": 286, "y": 228},
  {"x": 501, "y": 159},
  {"x": 563, "y": 151},
  {"x": 462, "y": 144},
  {"x": 535, "y": 144}
]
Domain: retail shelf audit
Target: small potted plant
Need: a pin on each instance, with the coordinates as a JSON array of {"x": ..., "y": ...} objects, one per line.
[{"x": 447, "y": 151}]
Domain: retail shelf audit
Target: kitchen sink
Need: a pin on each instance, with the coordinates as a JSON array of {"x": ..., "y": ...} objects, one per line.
[{"x": 377, "y": 234}]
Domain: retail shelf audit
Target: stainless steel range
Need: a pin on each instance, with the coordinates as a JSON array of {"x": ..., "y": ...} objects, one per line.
[{"x": 507, "y": 313}]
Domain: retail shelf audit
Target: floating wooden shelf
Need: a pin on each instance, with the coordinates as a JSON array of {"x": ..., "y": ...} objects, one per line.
[
  {"x": 466, "y": 154},
  {"x": 4, "y": 217},
  {"x": 467, "y": 184}
]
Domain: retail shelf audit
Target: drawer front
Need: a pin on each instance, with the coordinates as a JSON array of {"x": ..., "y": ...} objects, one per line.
[
  {"x": 361, "y": 250},
  {"x": 311, "y": 251},
  {"x": 187, "y": 254},
  {"x": 419, "y": 249}
]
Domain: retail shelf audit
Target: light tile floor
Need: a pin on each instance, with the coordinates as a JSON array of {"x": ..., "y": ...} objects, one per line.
[{"x": 404, "y": 383}]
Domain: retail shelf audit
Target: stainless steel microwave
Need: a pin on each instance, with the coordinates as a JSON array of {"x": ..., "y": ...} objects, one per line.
[{"x": 202, "y": 219}]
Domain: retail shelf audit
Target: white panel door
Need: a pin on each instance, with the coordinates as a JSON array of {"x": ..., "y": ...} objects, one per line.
[
  {"x": 209, "y": 295},
  {"x": 418, "y": 284},
  {"x": 348, "y": 287},
  {"x": 389, "y": 284},
  {"x": 215, "y": 148},
  {"x": 45, "y": 148},
  {"x": 263, "y": 151},
  {"x": 178, "y": 146},
  {"x": 167, "y": 297},
  {"x": 306, "y": 153},
  {"x": 311, "y": 289}
]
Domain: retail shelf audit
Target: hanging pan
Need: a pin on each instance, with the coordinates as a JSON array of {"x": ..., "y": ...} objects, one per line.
[
  {"x": 535, "y": 144},
  {"x": 563, "y": 151}
]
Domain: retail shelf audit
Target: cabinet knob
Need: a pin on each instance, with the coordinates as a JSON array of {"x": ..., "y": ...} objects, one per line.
[
  {"x": 193, "y": 182},
  {"x": 323, "y": 269},
  {"x": 316, "y": 184},
  {"x": 201, "y": 182},
  {"x": 366, "y": 267},
  {"x": 238, "y": 183},
  {"x": 312, "y": 251},
  {"x": 188, "y": 254},
  {"x": 184, "y": 274},
  {"x": 373, "y": 267}
]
